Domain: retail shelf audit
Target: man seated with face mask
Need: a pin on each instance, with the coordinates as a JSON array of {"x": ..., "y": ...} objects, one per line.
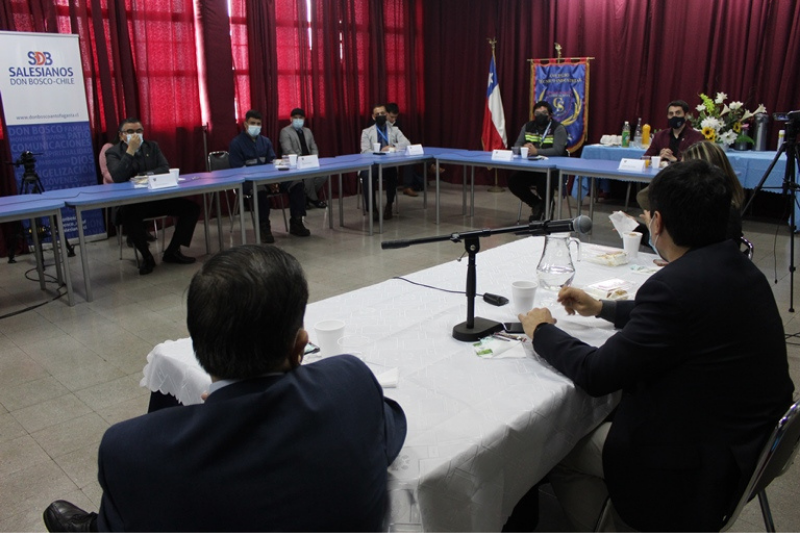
[
  {"x": 680, "y": 135},
  {"x": 134, "y": 156},
  {"x": 298, "y": 140},
  {"x": 699, "y": 358},
  {"x": 541, "y": 136},
  {"x": 250, "y": 148}
]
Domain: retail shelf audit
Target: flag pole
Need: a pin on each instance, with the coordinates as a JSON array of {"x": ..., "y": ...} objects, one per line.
[{"x": 496, "y": 187}]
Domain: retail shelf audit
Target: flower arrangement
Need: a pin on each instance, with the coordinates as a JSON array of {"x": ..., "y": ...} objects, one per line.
[{"x": 724, "y": 123}]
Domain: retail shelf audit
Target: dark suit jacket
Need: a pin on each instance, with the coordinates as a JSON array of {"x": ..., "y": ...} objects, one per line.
[
  {"x": 702, "y": 362},
  {"x": 123, "y": 166},
  {"x": 303, "y": 451}
]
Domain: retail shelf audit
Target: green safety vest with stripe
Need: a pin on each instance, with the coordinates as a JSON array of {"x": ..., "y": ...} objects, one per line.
[{"x": 535, "y": 137}]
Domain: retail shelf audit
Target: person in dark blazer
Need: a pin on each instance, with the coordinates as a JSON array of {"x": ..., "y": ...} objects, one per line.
[
  {"x": 701, "y": 361},
  {"x": 275, "y": 447},
  {"x": 135, "y": 156}
]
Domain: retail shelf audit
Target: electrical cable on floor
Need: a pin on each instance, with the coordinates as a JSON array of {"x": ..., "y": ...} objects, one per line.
[{"x": 36, "y": 306}]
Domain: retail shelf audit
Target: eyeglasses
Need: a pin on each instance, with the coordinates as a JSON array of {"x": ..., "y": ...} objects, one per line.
[{"x": 131, "y": 132}]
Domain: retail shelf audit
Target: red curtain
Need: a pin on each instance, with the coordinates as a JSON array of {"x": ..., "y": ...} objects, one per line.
[{"x": 646, "y": 53}]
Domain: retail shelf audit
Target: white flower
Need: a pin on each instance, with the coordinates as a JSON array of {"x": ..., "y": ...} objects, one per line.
[
  {"x": 729, "y": 137},
  {"x": 725, "y": 111},
  {"x": 720, "y": 98},
  {"x": 735, "y": 105},
  {"x": 760, "y": 109},
  {"x": 711, "y": 122},
  {"x": 701, "y": 107}
]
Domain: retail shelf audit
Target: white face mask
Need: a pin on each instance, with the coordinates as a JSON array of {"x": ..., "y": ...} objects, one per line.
[
  {"x": 298, "y": 123},
  {"x": 652, "y": 242},
  {"x": 129, "y": 136},
  {"x": 253, "y": 131}
]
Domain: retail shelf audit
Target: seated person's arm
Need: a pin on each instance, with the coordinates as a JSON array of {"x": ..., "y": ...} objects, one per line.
[
  {"x": 521, "y": 138},
  {"x": 312, "y": 145},
  {"x": 559, "y": 147},
  {"x": 401, "y": 142},
  {"x": 270, "y": 152},
  {"x": 235, "y": 154},
  {"x": 366, "y": 142},
  {"x": 285, "y": 140},
  {"x": 120, "y": 168},
  {"x": 163, "y": 164}
]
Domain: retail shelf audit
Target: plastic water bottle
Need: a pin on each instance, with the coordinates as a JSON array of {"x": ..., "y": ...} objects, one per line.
[
  {"x": 626, "y": 135},
  {"x": 637, "y": 134}
]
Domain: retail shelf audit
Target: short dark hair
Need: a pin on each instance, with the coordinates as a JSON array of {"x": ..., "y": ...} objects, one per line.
[
  {"x": 392, "y": 107},
  {"x": 252, "y": 114},
  {"x": 129, "y": 120},
  {"x": 543, "y": 103},
  {"x": 694, "y": 200},
  {"x": 679, "y": 103},
  {"x": 244, "y": 309}
]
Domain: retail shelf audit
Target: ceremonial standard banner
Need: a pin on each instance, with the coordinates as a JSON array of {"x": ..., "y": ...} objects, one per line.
[
  {"x": 566, "y": 87},
  {"x": 44, "y": 104}
]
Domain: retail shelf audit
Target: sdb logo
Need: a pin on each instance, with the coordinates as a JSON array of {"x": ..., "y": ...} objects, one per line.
[{"x": 40, "y": 58}]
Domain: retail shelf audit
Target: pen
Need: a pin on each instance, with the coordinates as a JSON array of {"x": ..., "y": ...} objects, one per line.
[{"x": 501, "y": 337}]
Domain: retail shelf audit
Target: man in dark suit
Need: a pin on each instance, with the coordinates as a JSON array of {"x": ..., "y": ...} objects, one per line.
[
  {"x": 275, "y": 447},
  {"x": 701, "y": 361},
  {"x": 135, "y": 156}
]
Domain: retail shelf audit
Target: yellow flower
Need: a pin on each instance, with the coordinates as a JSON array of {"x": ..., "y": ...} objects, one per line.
[
  {"x": 709, "y": 133},
  {"x": 737, "y": 127}
]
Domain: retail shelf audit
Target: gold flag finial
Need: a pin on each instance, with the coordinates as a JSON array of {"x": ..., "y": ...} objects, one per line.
[
  {"x": 493, "y": 42},
  {"x": 558, "y": 51}
]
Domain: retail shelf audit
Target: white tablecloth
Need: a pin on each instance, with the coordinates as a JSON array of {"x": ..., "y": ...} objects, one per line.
[{"x": 481, "y": 431}]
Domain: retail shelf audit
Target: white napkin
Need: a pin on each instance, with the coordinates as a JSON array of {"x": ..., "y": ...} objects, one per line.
[
  {"x": 389, "y": 379},
  {"x": 622, "y": 222},
  {"x": 494, "y": 348}
]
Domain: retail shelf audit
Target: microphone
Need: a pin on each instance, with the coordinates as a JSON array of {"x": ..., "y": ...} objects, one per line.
[{"x": 581, "y": 224}]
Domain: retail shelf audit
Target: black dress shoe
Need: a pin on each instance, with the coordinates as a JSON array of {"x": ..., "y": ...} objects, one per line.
[
  {"x": 147, "y": 266},
  {"x": 319, "y": 204},
  {"x": 178, "y": 258},
  {"x": 151, "y": 237},
  {"x": 64, "y": 516}
]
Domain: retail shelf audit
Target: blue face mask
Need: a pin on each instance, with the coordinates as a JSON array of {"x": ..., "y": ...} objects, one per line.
[
  {"x": 297, "y": 123},
  {"x": 650, "y": 240}
]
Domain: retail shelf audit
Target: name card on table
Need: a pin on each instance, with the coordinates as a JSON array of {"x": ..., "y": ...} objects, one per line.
[
  {"x": 636, "y": 165},
  {"x": 502, "y": 155},
  {"x": 162, "y": 181},
  {"x": 415, "y": 149},
  {"x": 307, "y": 161}
]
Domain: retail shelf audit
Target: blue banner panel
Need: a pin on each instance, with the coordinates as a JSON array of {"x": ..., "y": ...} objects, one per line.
[{"x": 566, "y": 87}]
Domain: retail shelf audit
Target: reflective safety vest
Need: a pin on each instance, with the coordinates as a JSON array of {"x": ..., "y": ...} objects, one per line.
[{"x": 544, "y": 139}]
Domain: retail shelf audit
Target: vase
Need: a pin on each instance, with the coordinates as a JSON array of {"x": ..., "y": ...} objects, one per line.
[{"x": 742, "y": 146}]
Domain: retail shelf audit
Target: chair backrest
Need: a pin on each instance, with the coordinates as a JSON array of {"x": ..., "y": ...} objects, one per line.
[
  {"x": 749, "y": 248},
  {"x": 775, "y": 459},
  {"x": 218, "y": 160}
]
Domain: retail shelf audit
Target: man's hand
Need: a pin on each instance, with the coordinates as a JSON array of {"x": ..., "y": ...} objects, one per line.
[
  {"x": 532, "y": 150},
  {"x": 576, "y": 301},
  {"x": 533, "y": 318},
  {"x": 666, "y": 153},
  {"x": 136, "y": 142}
]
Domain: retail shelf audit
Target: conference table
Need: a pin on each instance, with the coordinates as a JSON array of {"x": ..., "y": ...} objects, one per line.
[
  {"x": 477, "y": 158},
  {"x": 481, "y": 431},
  {"x": 33, "y": 206},
  {"x": 749, "y": 166},
  {"x": 119, "y": 194}
]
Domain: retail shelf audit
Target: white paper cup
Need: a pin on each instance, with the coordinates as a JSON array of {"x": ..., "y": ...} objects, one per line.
[
  {"x": 292, "y": 160},
  {"x": 175, "y": 172},
  {"x": 328, "y": 334},
  {"x": 523, "y": 152},
  {"x": 631, "y": 242},
  {"x": 376, "y": 147},
  {"x": 522, "y": 295},
  {"x": 655, "y": 161}
]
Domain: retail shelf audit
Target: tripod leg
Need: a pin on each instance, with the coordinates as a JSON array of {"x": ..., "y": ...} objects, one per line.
[{"x": 38, "y": 252}]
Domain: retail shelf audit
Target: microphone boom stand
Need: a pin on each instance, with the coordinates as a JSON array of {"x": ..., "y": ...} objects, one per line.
[{"x": 474, "y": 328}]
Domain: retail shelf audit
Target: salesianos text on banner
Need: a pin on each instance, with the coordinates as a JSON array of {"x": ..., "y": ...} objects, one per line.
[
  {"x": 566, "y": 87},
  {"x": 44, "y": 104}
]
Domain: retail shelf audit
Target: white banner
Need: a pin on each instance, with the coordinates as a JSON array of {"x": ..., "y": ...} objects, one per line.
[{"x": 44, "y": 104}]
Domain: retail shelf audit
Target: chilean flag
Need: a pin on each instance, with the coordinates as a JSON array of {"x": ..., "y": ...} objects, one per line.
[{"x": 493, "y": 133}]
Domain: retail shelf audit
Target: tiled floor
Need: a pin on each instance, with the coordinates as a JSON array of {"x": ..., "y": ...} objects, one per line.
[{"x": 66, "y": 373}]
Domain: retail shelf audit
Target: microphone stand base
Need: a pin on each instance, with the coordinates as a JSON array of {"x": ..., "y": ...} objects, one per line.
[{"x": 483, "y": 328}]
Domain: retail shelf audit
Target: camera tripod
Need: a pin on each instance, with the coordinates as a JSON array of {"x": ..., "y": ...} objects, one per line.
[
  {"x": 31, "y": 183},
  {"x": 789, "y": 190}
]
